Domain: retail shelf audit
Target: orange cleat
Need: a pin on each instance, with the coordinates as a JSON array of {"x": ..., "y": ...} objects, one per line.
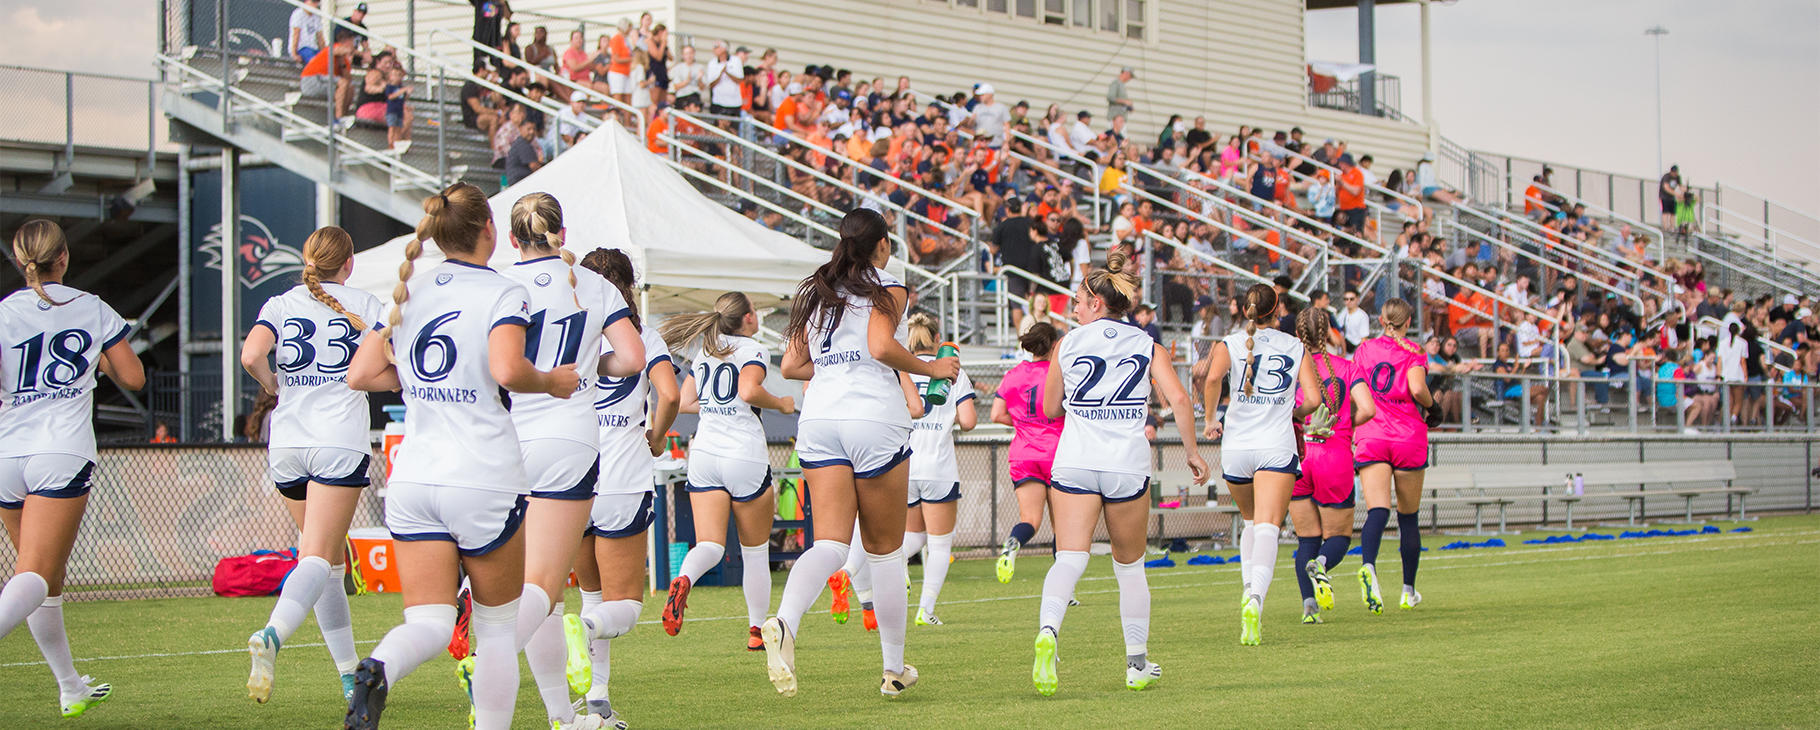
[
  {"x": 464, "y": 610},
  {"x": 675, "y": 605},
  {"x": 755, "y": 641},
  {"x": 838, "y": 584},
  {"x": 870, "y": 619}
]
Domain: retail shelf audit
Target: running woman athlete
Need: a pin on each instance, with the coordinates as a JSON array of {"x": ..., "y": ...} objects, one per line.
[
  {"x": 1322, "y": 504},
  {"x": 1101, "y": 376},
  {"x": 1393, "y": 448},
  {"x": 53, "y": 339},
  {"x": 318, "y": 453},
  {"x": 729, "y": 464},
  {"x": 634, "y": 413},
  {"x": 458, "y": 487},
  {"x": 935, "y": 475},
  {"x": 577, "y": 318},
  {"x": 846, "y": 336},
  {"x": 1020, "y": 405},
  {"x": 1258, "y": 453}
]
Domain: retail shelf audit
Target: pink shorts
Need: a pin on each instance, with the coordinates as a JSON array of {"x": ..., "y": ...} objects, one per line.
[
  {"x": 1326, "y": 475},
  {"x": 1030, "y": 471},
  {"x": 1400, "y": 455}
]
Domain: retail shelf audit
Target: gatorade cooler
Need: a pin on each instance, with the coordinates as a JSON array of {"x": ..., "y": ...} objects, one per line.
[
  {"x": 373, "y": 545},
  {"x": 394, "y": 435}
]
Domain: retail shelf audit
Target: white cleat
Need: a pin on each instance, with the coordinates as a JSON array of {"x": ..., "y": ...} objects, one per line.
[
  {"x": 895, "y": 684},
  {"x": 589, "y": 722},
  {"x": 780, "y": 656},
  {"x": 263, "y": 647},
  {"x": 1139, "y": 679},
  {"x": 92, "y": 694},
  {"x": 1411, "y": 598}
]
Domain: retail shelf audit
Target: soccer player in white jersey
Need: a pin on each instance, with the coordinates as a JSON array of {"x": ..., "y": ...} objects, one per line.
[
  {"x": 634, "y": 414},
  {"x": 579, "y": 319},
  {"x": 729, "y": 465},
  {"x": 1259, "y": 454},
  {"x": 1101, "y": 379},
  {"x": 935, "y": 474},
  {"x": 318, "y": 453},
  {"x": 454, "y": 336},
  {"x": 846, "y": 336},
  {"x": 53, "y": 339}
]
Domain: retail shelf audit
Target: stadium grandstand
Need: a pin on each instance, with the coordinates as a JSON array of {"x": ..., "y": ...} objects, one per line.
[{"x": 1600, "y": 347}]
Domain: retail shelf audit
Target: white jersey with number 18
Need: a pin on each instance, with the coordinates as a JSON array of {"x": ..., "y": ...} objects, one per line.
[
  {"x": 315, "y": 346},
  {"x": 457, "y": 432},
  {"x": 1264, "y": 418},
  {"x": 566, "y": 327},
  {"x": 1106, "y": 391},
  {"x": 48, "y": 365}
]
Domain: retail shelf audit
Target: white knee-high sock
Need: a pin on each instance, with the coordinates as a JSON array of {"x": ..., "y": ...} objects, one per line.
[
  {"x": 23, "y": 594},
  {"x": 861, "y": 574},
  {"x": 913, "y": 543},
  {"x": 891, "y": 607},
  {"x": 547, "y": 653},
  {"x": 47, "y": 629},
  {"x": 701, "y": 559},
  {"x": 1245, "y": 555},
  {"x": 425, "y": 632},
  {"x": 755, "y": 581},
  {"x": 496, "y": 663},
  {"x": 337, "y": 625},
  {"x": 807, "y": 578},
  {"x": 301, "y": 589},
  {"x": 1134, "y": 609},
  {"x": 533, "y": 607},
  {"x": 1058, "y": 587},
  {"x": 1263, "y": 558},
  {"x": 597, "y": 648},
  {"x": 935, "y": 569},
  {"x": 612, "y": 619}
]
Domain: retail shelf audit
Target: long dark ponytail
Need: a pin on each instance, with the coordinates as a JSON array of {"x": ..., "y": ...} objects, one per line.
[{"x": 820, "y": 301}]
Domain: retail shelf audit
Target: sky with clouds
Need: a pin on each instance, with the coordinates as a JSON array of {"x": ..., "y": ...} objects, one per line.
[{"x": 1568, "y": 81}]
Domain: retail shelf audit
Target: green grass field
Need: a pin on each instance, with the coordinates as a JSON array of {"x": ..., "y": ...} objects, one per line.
[{"x": 1704, "y": 631}]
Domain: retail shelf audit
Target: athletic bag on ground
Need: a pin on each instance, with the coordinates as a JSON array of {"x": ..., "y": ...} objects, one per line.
[{"x": 259, "y": 574}]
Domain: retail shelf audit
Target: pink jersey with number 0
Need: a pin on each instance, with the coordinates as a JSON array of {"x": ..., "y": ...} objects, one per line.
[
  {"x": 1022, "y": 390},
  {"x": 1337, "y": 376},
  {"x": 1384, "y": 363}
]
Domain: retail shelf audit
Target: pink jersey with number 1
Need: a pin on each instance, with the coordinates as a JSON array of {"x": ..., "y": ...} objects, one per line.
[{"x": 1022, "y": 390}]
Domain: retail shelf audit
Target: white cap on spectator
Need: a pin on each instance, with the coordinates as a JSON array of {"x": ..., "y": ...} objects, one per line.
[
  {"x": 1790, "y": 300},
  {"x": 793, "y": 89},
  {"x": 879, "y": 133},
  {"x": 1804, "y": 313},
  {"x": 983, "y": 89}
]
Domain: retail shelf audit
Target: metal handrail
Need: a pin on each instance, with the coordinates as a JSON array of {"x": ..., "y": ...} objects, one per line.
[
  {"x": 1739, "y": 247},
  {"x": 869, "y": 170},
  {"x": 393, "y": 165},
  {"x": 1540, "y": 237},
  {"x": 1766, "y": 227},
  {"x": 1034, "y": 279},
  {"x": 686, "y": 170},
  {"x": 755, "y": 177},
  {"x": 1558, "y": 268},
  {"x": 1254, "y": 215},
  {"x": 1661, "y": 239},
  {"x": 1716, "y": 261},
  {"x": 1604, "y": 258},
  {"x": 1217, "y": 261},
  {"x": 1216, "y": 224},
  {"x": 537, "y": 71},
  {"x": 1721, "y": 184}
]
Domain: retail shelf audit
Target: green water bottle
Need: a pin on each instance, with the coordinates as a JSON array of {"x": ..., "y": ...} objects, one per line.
[{"x": 937, "y": 394}]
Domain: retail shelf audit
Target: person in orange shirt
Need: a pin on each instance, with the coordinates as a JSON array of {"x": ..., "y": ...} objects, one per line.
[
  {"x": 1533, "y": 203},
  {"x": 660, "y": 124},
  {"x": 1470, "y": 327},
  {"x": 619, "y": 64},
  {"x": 1350, "y": 196}
]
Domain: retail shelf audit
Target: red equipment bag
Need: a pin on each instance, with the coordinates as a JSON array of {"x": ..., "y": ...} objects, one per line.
[{"x": 259, "y": 574}]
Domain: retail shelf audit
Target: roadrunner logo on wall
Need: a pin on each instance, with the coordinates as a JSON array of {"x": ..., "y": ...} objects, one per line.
[{"x": 260, "y": 257}]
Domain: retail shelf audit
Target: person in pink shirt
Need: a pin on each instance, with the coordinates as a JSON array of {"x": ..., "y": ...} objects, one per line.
[
  {"x": 1020, "y": 405},
  {"x": 1393, "y": 448},
  {"x": 1323, "y": 495}
]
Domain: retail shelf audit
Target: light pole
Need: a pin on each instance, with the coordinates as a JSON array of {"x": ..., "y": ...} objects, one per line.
[{"x": 1658, "y": 31}]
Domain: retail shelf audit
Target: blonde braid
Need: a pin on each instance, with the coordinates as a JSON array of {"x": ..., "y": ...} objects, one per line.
[
  {"x": 401, "y": 293},
  {"x": 327, "y": 250},
  {"x": 1260, "y": 302},
  {"x": 1251, "y": 331}
]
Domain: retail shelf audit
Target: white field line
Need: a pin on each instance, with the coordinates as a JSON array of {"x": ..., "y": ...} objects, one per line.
[{"x": 1202, "y": 572}]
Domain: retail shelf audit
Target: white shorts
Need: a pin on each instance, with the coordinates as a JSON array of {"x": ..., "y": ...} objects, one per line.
[
  {"x": 478, "y": 521},
  {"x": 743, "y": 480},
  {"x": 923, "y": 490},
  {"x": 1110, "y": 486},
  {"x": 293, "y": 469},
  {"x": 1240, "y": 466},
  {"x": 618, "y": 83},
  {"x": 621, "y": 515},
  {"x": 625, "y": 465},
  {"x": 869, "y": 448},
  {"x": 560, "y": 469},
  {"x": 61, "y": 476}
]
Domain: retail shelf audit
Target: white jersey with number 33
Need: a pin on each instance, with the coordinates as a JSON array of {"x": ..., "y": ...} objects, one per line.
[
  {"x": 1263, "y": 419},
  {"x": 1106, "y": 390},
  {"x": 315, "y": 346}
]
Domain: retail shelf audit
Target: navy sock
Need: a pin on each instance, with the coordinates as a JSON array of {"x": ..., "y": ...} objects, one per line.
[
  {"x": 1376, "y": 519},
  {"x": 1305, "y": 550},
  {"x": 1333, "y": 550},
  {"x": 1409, "y": 538},
  {"x": 1022, "y": 532}
]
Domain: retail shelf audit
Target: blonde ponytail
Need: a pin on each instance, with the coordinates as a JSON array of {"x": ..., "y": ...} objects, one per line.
[
  {"x": 454, "y": 219},
  {"x": 36, "y": 248},
  {"x": 324, "y": 254},
  {"x": 1115, "y": 283},
  {"x": 681, "y": 331},
  {"x": 537, "y": 226}
]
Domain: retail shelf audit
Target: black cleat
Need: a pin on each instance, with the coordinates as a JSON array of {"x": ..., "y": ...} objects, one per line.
[{"x": 368, "y": 700}]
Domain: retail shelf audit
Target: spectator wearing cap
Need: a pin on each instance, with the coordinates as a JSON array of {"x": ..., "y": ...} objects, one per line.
[
  {"x": 1669, "y": 191},
  {"x": 723, "y": 77},
  {"x": 991, "y": 119},
  {"x": 1118, "y": 97},
  {"x": 573, "y": 122},
  {"x": 306, "y": 32},
  {"x": 794, "y": 114},
  {"x": 358, "y": 19}
]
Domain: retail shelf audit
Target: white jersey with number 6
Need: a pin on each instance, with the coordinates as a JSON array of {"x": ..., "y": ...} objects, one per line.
[
  {"x": 849, "y": 384},
  {"x": 316, "y": 408},
  {"x": 1265, "y": 418},
  {"x": 49, "y": 363},
  {"x": 566, "y": 327},
  {"x": 1106, "y": 390},
  {"x": 728, "y": 427},
  {"x": 457, "y": 432}
]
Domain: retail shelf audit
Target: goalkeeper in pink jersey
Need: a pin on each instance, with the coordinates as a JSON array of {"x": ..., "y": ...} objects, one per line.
[
  {"x": 1322, "y": 502},
  {"x": 1020, "y": 405},
  {"x": 1393, "y": 448}
]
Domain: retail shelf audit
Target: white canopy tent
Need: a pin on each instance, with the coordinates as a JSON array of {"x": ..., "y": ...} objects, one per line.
[{"x": 616, "y": 194}]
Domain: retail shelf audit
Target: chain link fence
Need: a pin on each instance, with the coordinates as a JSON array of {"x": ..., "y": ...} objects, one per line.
[{"x": 71, "y": 108}]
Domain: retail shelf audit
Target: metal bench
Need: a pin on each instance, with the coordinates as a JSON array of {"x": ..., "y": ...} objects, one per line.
[{"x": 1169, "y": 482}]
